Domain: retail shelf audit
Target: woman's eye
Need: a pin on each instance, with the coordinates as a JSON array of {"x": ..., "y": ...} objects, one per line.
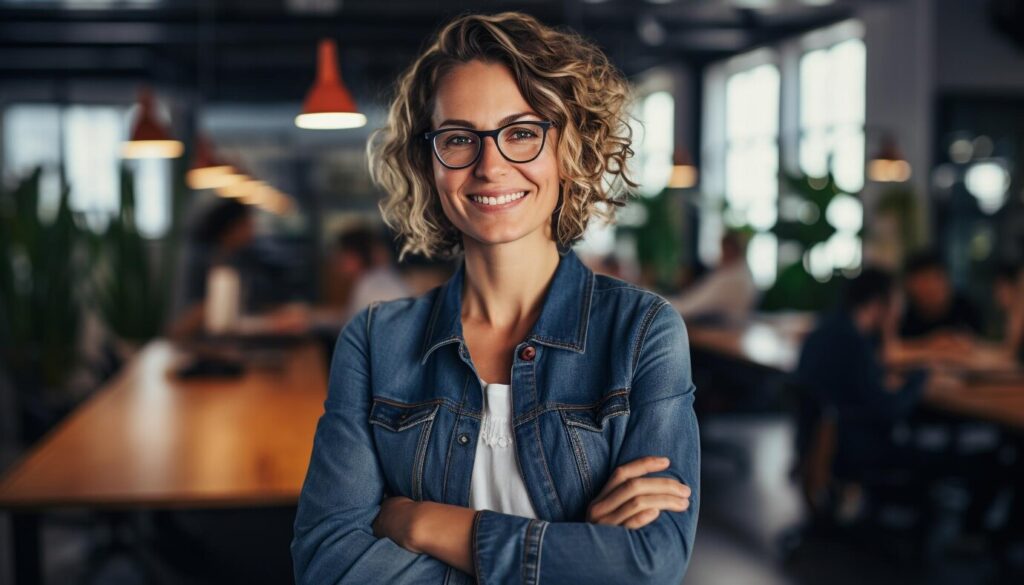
[
  {"x": 522, "y": 134},
  {"x": 459, "y": 140}
]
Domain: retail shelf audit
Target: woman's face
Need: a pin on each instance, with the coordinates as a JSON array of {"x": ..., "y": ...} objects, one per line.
[{"x": 485, "y": 96}]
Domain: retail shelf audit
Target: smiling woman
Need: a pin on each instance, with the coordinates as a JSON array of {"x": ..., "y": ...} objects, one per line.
[{"x": 528, "y": 409}]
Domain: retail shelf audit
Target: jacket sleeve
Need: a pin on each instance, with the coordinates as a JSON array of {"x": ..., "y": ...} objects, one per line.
[
  {"x": 510, "y": 549},
  {"x": 344, "y": 486}
]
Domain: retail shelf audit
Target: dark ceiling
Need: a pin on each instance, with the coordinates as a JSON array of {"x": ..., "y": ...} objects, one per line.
[{"x": 262, "y": 50}]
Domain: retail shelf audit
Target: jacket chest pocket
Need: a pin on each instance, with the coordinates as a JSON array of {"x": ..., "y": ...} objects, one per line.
[
  {"x": 401, "y": 432},
  {"x": 595, "y": 437}
]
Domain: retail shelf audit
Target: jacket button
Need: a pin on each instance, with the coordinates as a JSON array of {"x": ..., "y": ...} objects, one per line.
[
  {"x": 527, "y": 353},
  {"x": 463, "y": 439}
]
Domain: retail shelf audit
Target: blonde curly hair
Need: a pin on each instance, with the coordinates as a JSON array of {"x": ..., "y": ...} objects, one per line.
[{"x": 565, "y": 78}]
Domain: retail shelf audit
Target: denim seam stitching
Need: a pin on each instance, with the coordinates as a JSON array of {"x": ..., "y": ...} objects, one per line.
[
  {"x": 421, "y": 456},
  {"x": 544, "y": 463},
  {"x": 476, "y": 549},
  {"x": 540, "y": 548},
  {"x": 550, "y": 406},
  {"x": 642, "y": 335},
  {"x": 451, "y": 442},
  {"x": 582, "y": 465}
]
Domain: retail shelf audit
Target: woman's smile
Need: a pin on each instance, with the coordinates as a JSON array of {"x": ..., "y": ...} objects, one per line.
[{"x": 496, "y": 201}]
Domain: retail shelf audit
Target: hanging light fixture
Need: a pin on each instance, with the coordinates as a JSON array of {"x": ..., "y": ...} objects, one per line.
[
  {"x": 207, "y": 171},
  {"x": 684, "y": 173},
  {"x": 328, "y": 104},
  {"x": 888, "y": 166},
  {"x": 149, "y": 138}
]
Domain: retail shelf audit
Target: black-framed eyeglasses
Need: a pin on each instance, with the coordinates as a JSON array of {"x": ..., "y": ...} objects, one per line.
[{"x": 518, "y": 142}]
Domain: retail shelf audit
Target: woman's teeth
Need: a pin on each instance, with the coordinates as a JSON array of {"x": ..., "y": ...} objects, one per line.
[{"x": 500, "y": 200}]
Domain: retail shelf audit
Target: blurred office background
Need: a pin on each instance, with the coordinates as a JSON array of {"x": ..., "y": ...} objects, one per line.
[{"x": 794, "y": 142}]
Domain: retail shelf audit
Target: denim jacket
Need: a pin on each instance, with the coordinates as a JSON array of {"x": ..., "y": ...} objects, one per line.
[{"x": 602, "y": 379}]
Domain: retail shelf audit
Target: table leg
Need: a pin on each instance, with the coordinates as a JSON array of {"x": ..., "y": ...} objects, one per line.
[{"x": 27, "y": 554}]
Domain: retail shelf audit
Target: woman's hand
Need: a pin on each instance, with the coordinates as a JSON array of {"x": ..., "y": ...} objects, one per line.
[
  {"x": 634, "y": 501},
  {"x": 395, "y": 521}
]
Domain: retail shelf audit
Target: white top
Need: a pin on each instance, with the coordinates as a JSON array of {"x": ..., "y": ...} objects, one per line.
[
  {"x": 497, "y": 484},
  {"x": 379, "y": 284},
  {"x": 728, "y": 292}
]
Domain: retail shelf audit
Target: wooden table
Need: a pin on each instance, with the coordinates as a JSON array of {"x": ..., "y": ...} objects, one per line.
[
  {"x": 774, "y": 341},
  {"x": 149, "y": 439},
  {"x": 770, "y": 341}
]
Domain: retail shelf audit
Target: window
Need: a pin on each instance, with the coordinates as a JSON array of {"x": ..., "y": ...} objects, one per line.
[
  {"x": 87, "y": 141},
  {"x": 741, "y": 154},
  {"x": 832, "y": 110},
  {"x": 804, "y": 102}
]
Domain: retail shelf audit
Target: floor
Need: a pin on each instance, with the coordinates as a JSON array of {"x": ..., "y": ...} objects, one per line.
[{"x": 748, "y": 505}]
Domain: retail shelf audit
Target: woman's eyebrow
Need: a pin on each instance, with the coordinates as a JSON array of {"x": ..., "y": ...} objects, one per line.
[{"x": 468, "y": 124}]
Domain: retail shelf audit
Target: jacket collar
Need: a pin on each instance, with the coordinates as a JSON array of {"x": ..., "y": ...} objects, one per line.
[{"x": 563, "y": 319}]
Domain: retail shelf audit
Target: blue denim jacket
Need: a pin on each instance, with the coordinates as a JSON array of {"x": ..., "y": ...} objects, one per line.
[{"x": 607, "y": 381}]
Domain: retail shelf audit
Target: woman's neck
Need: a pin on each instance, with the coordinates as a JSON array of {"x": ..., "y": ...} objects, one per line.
[{"x": 505, "y": 283}]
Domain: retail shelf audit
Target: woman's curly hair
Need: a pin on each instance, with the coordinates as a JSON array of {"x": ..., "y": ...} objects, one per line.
[{"x": 565, "y": 78}]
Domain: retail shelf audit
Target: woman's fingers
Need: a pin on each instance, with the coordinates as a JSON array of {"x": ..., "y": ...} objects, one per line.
[
  {"x": 639, "y": 509},
  {"x": 642, "y": 519},
  {"x": 636, "y": 468},
  {"x": 635, "y": 487}
]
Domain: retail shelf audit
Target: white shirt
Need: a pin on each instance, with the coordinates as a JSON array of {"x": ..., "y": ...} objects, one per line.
[
  {"x": 379, "y": 284},
  {"x": 497, "y": 484},
  {"x": 727, "y": 291}
]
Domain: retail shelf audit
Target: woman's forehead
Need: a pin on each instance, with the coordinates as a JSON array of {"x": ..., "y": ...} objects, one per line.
[{"x": 478, "y": 95}]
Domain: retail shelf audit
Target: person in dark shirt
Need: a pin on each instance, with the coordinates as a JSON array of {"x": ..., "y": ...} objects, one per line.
[
  {"x": 841, "y": 370},
  {"x": 932, "y": 304}
]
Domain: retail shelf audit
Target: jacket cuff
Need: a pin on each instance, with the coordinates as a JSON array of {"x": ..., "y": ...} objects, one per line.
[{"x": 506, "y": 548}]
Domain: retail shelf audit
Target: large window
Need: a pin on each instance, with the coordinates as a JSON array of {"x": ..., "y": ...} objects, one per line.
[
  {"x": 832, "y": 111},
  {"x": 86, "y": 140},
  {"x": 809, "y": 97},
  {"x": 752, "y": 163}
]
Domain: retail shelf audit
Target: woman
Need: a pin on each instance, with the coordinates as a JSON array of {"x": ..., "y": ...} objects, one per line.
[{"x": 501, "y": 143}]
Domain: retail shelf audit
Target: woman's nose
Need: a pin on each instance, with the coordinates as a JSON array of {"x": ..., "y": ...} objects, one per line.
[{"x": 491, "y": 162}]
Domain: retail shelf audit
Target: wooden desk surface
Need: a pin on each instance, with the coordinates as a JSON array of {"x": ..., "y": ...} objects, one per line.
[
  {"x": 149, "y": 439},
  {"x": 767, "y": 341}
]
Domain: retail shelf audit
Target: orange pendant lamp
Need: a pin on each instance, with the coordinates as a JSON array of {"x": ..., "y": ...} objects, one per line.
[
  {"x": 329, "y": 105},
  {"x": 149, "y": 138},
  {"x": 889, "y": 165},
  {"x": 207, "y": 171}
]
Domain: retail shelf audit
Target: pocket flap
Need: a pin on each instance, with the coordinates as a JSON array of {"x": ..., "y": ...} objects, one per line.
[
  {"x": 397, "y": 417},
  {"x": 593, "y": 417}
]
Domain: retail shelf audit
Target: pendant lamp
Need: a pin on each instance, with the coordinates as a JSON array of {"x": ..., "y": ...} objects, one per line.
[
  {"x": 207, "y": 171},
  {"x": 328, "y": 104},
  {"x": 149, "y": 138},
  {"x": 888, "y": 166}
]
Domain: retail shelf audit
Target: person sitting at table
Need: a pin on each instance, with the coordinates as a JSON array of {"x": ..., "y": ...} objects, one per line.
[
  {"x": 728, "y": 292},
  {"x": 841, "y": 371},
  {"x": 933, "y": 306},
  {"x": 362, "y": 257},
  {"x": 1008, "y": 293},
  {"x": 223, "y": 237}
]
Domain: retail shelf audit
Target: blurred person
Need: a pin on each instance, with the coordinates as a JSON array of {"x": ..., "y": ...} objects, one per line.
[
  {"x": 934, "y": 323},
  {"x": 528, "y": 419},
  {"x": 840, "y": 367},
  {"x": 933, "y": 306},
  {"x": 728, "y": 292},
  {"x": 222, "y": 238},
  {"x": 1008, "y": 293},
  {"x": 362, "y": 257}
]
